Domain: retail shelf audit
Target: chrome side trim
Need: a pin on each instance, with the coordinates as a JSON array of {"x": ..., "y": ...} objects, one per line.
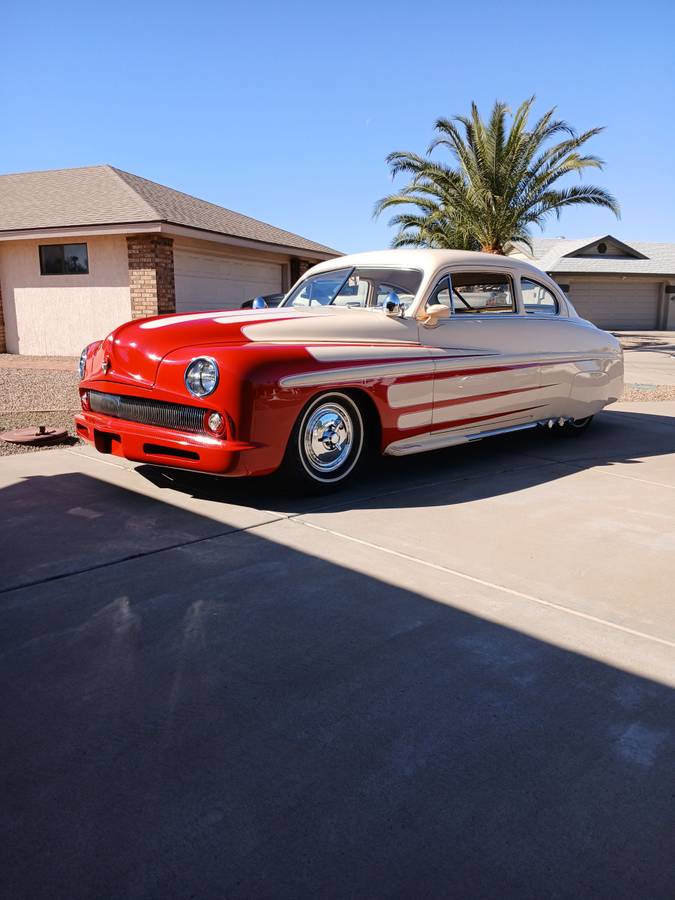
[{"x": 425, "y": 442}]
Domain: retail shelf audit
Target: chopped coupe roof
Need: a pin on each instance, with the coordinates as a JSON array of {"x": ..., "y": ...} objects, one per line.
[
  {"x": 427, "y": 260},
  {"x": 104, "y": 195}
]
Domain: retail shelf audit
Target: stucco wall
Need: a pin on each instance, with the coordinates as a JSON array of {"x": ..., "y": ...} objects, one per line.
[{"x": 56, "y": 315}]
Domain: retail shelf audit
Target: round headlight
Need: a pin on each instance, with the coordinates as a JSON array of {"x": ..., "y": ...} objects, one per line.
[
  {"x": 201, "y": 376},
  {"x": 83, "y": 361}
]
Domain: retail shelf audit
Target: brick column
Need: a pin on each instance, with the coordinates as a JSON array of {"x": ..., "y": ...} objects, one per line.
[
  {"x": 3, "y": 336},
  {"x": 298, "y": 267},
  {"x": 151, "y": 280}
]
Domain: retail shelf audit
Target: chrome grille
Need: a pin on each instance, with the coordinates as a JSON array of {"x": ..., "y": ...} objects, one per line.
[{"x": 148, "y": 412}]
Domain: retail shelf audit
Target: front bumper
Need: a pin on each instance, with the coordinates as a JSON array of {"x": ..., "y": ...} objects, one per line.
[{"x": 161, "y": 446}]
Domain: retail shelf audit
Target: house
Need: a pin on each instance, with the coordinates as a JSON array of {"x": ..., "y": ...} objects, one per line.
[
  {"x": 614, "y": 284},
  {"x": 83, "y": 250}
]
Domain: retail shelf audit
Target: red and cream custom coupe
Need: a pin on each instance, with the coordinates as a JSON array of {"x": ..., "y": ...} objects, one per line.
[{"x": 398, "y": 350}]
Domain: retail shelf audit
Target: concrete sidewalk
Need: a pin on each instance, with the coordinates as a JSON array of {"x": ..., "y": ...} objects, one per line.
[{"x": 455, "y": 679}]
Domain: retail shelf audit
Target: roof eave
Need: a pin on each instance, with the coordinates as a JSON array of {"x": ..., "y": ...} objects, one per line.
[
  {"x": 567, "y": 273},
  {"x": 19, "y": 234},
  {"x": 161, "y": 226},
  {"x": 233, "y": 240}
]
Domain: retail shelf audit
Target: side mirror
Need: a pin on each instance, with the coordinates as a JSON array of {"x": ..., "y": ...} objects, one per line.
[
  {"x": 393, "y": 306},
  {"x": 432, "y": 314},
  {"x": 259, "y": 303}
]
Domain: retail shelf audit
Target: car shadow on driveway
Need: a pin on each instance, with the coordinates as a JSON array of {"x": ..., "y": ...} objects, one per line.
[
  {"x": 461, "y": 474},
  {"x": 225, "y": 714}
]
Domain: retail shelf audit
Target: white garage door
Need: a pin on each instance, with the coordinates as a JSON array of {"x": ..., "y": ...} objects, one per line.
[
  {"x": 206, "y": 281},
  {"x": 617, "y": 306}
]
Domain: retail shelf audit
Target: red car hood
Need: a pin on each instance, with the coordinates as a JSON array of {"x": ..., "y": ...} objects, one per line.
[{"x": 133, "y": 352}]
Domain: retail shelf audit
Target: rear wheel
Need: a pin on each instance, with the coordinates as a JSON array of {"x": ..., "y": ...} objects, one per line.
[{"x": 327, "y": 442}]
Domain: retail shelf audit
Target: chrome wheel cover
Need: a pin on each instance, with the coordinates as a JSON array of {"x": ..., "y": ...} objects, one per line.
[{"x": 327, "y": 437}]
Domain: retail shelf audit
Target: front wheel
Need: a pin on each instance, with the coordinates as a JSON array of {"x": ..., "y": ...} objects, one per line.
[{"x": 326, "y": 443}]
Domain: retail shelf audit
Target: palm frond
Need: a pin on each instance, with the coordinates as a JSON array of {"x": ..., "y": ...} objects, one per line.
[{"x": 500, "y": 181}]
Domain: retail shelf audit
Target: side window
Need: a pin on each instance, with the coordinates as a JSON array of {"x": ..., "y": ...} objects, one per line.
[
  {"x": 537, "y": 300},
  {"x": 441, "y": 294},
  {"x": 384, "y": 292},
  {"x": 482, "y": 293},
  {"x": 353, "y": 293}
]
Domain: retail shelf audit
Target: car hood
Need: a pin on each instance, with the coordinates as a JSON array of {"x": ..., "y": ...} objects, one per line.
[{"x": 132, "y": 353}]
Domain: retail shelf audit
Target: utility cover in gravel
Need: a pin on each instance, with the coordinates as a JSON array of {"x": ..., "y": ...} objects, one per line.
[{"x": 35, "y": 436}]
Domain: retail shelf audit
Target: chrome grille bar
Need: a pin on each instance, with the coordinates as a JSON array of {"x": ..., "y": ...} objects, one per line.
[{"x": 148, "y": 412}]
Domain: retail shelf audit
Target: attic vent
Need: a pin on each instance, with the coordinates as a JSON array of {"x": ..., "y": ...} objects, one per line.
[{"x": 602, "y": 247}]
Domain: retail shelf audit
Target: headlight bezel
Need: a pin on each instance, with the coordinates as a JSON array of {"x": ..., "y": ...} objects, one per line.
[
  {"x": 82, "y": 364},
  {"x": 204, "y": 392}
]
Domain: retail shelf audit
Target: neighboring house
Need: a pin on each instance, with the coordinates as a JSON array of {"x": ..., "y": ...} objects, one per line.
[
  {"x": 83, "y": 250},
  {"x": 614, "y": 284}
]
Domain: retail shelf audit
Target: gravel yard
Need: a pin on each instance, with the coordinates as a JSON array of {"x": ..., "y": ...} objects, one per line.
[
  {"x": 34, "y": 392},
  {"x": 637, "y": 392}
]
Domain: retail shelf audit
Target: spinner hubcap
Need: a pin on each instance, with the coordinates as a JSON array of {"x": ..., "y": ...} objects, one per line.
[{"x": 328, "y": 437}]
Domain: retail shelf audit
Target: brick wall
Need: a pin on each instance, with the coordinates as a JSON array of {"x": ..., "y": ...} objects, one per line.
[
  {"x": 3, "y": 336},
  {"x": 151, "y": 279},
  {"x": 298, "y": 267}
]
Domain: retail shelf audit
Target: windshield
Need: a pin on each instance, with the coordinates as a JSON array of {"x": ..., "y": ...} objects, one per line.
[{"x": 357, "y": 288}]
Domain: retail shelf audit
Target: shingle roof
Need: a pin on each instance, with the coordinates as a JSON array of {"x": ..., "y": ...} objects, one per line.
[
  {"x": 104, "y": 195},
  {"x": 552, "y": 255}
]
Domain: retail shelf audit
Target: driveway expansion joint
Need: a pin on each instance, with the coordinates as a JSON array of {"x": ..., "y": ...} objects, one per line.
[{"x": 550, "y": 604}]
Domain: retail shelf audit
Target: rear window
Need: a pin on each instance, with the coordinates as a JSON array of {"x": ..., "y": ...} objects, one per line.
[{"x": 537, "y": 300}]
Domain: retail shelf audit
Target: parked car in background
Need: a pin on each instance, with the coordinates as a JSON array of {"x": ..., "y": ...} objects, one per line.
[
  {"x": 270, "y": 300},
  {"x": 398, "y": 351}
]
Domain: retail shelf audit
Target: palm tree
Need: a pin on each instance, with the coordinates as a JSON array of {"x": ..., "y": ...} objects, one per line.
[{"x": 502, "y": 182}]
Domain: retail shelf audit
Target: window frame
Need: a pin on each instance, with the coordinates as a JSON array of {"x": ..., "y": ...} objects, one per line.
[
  {"x": 435, "y": 287},
  {"x": 544, "y": 287},
  {"x": 44, "y": 274},
  {"x": 372, "y": 294},
  {"x": 516, "y": 311}
]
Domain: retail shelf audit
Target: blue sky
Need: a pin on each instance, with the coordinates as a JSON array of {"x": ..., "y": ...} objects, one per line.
[{"x": 286, "y": 111}]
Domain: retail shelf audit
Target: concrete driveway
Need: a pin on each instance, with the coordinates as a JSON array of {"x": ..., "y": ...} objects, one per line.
[{"x": 454, "y": 680}]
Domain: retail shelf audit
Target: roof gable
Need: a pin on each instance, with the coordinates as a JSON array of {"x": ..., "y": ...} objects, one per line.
[
  {"x": 561, "y": 256},
  {"x": 607, "y": 247}
]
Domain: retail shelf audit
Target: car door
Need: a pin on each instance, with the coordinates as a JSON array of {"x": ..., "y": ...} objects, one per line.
[
  {"x": 572, "y": 357},
  {"x": 487, "y": 374}
]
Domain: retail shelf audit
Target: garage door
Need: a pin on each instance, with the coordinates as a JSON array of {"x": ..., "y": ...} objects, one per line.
[
  {"x": 617, "y": 306},
  {"x": 207, "y": 281}
]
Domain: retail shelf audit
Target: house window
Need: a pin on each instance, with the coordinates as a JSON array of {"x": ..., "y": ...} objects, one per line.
[{"x": 64, "y": 259}]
